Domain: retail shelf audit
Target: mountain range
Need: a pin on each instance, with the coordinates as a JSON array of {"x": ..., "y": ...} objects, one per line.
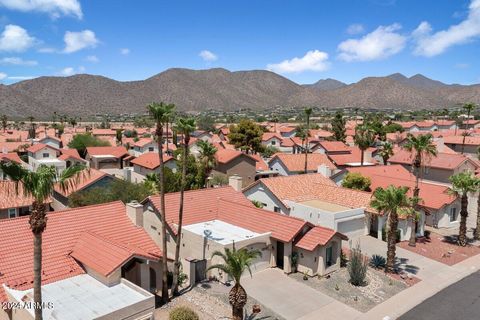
[{"x": 220, "y": 89}]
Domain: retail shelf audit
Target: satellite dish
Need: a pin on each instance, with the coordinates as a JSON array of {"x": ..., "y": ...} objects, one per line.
[{"x": 207, "y": 233}]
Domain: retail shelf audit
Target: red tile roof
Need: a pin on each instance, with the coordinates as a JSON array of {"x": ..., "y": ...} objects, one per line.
[
  {"x": 12, "y": 156},
  {"x": 227, "y": 155},
  {"x": 469, "y": 141},
  {"x": 433, "y": 196},
  {"x": 446, "y": 161},
  {"x": 12, "y": 146},
  {"x": 69, "y": 153},
  {"x": 143, "y": 142},
  {"x": 39, "y": 146},
  {"x": 296, "y": 162},
  {"x": 117, "y": 152},
  {"x": 150, "y": 160},
  {"x": 85, "y": 179},
  {"x": 317, "y": 236},
  {"x": 353, "y": 157},
  {"x": 270, "y": 135},
  {"x": 10, "y": 197},
  {"x": 230, "y": 206},
  {"x": 64, "y": 229},
  {"x": 334, "y": 146},
  {"x": 261, "y": 165}
]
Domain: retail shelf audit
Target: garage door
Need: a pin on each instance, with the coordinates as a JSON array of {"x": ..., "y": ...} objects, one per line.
[
  {"x": 263, "y": 261},
  {"x": 352, "y": 228}
]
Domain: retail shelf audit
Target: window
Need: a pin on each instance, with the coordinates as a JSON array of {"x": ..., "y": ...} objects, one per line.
[
  {"x": 276, "y": 209},
  {"x": 274, "y": 142},
  {"x": 12, "y": 213},
  {"x": 453, "y": 214},
  {"x": 329, "y": 256},
  {"x": 150, "y": 149},
  {"x": 45, "y": 155}
]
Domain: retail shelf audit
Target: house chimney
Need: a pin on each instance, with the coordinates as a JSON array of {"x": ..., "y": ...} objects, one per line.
[
  {"x": 127, "y": 175},
  {"x": 235, "y": 182},
  {"x": 135, "y": 213},
  {"x": 324, "y": 170}
]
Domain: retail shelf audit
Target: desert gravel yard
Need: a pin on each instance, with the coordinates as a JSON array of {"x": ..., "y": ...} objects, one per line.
[
  {"x": 378, "y": 289},
  {"x": 210, "y": 301}
]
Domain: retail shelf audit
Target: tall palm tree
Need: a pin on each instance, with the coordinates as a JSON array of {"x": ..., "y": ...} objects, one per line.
[
  {"x": 422, "y": 150},
  {"x": 185, "y": 126},
  {"x": 308, "y": 113},
  {"x": 468, "y": 107},
  {"x": 386, "y": 151},
  {"x": 235, "y": 263},
  {"x": 160, "y": 112},
  {"x": 462, "y": 184},
  {"x": 390, "y": 201},
  {"x": 206, "y": 158},
  {"x": 476, "y": 235},
  {"x": 364, "y": 138},
  {"x": 40, "y": 186},
  {"x": 170, "y": 118},
  {"x": 301, "y": 132},
  {"x": 4, "y": 120}
]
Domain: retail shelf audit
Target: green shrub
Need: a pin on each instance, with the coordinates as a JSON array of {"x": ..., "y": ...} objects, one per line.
[
  {"x": 357, "y": 266},
  {"x": 183, "y": 313},
  {"x": 377, "y": 261}
]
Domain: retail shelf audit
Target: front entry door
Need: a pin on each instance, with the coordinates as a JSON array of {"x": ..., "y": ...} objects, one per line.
[{"x": 280, "y": 254}]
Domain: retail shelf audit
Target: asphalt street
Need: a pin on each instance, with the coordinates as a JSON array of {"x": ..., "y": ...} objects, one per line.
[{"x": 460, "y": 301}]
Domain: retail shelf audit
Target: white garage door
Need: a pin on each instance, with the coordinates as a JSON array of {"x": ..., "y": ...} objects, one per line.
[
  {"x": 352, "y": 228},
  {"x": 263, "y": 261}
]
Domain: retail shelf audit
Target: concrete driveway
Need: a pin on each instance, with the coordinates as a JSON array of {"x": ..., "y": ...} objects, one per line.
[{"x": 293, "y": 300}]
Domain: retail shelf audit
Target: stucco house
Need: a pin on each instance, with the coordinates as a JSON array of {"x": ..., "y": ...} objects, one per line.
[
  {"x": 315, "y": 199},
  {"x": 439, "y": 168},
  {"x": 44, "y": 154},
  {"x": 93, "y": 252},
  {"x": 439, "y": 208},
  {"x": 291, "y": 164},
  {"x": 150, "y": 163},
  {"x": 106, "y": 157},
  {"x": 472, "y": 143},
  {"x": 218, "y": 218},
  {"x": 232, "y": 162},
  {"x": 13, "y": 202}
]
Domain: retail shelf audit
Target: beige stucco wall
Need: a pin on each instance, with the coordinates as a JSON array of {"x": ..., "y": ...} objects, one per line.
[
  {"x": 313, "y": 262},
  {"x": 243, "y": 166}
]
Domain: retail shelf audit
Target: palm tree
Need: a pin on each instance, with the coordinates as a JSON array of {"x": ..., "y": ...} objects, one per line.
[
  {"x": 160, "y": 112},
  {"x": 73, "y": 122},
  {"x": 184, "y": 127},
  {"x": 476, "y": 235},
  {"x": 235, "y": 262},
  {"x": 422, "y": 150},
  {"x": 4, "y": 120},
  {"x": 462, "y": 184},
  {"x": 168, "y": 120},
  {"x": 40, "y": 186},
  {"x": 386, "y": 151},
  {"x": 390, "y": 201},
  {"x": 301, "y": 133},
  {"x": 308, "y": 113},
  {"x": 206, "y": 158},
  {"x": 364, "y": 138},
  {"x": 468, "y": 107}
]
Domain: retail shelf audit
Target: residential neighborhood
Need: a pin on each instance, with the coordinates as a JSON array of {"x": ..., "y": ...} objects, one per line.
[{"x": 242, "y": 160}]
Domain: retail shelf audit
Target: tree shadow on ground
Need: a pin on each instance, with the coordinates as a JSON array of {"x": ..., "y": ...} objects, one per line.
[{"x": 401, "y": 264}]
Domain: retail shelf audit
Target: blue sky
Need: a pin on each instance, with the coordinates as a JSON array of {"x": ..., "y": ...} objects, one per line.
[{"x": 302, "y": 40}]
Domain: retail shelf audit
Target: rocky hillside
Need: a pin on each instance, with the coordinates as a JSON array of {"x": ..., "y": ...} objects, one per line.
[{"x": 195, "y": 90}]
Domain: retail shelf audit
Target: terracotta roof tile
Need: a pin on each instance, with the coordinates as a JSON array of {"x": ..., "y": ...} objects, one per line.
[
  {"x": 117, "y": 152},
  {"x": 227, "y": 155},
  {"x": 334, "y": 146},
  {"x": 442, "y": 160},
  {"x": 85, "y": 179},
  {"x": 12, "y": 156},
  {"x": 317, "y": 236},
  {"x": 10, "y": 197},
  {"x": 39, "y": 146},
  {"x": 64, "y": 229},
  {"x": 296, "y": 162},
  {"x": 150, "y": 160}
]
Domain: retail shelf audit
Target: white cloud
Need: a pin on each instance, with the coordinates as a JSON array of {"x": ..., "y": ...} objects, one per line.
[
  {"x": 92, "y": 59},
  {"x": 15, "y": 38},
  {"x": 75, "y": 41},
  {"x": 208, "y": 56},
  {"x": 125, "y": 51},
  {"x": 429, "y": 45},
  {"x": 55, "y": 8},
  {"x": 462, "y": 65},
  {"x": 313, "y": 60},
  {"x": 68, "y": 71},
  {"x": 3, "y": 76},
  {"x": 22, "y": 77},
  {"x": 47, "y": 50},
  {"x": 379, "y": 44},
  {"x": 17, "y": 61},
  {"x": 355, "y": 28}
]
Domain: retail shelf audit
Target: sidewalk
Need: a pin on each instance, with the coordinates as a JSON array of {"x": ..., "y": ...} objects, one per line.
[{"x": 435, "y": 277}]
